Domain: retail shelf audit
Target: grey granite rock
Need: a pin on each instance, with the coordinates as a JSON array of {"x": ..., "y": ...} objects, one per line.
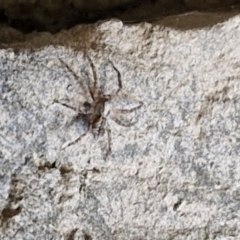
[{"x": 173, "y": 175}]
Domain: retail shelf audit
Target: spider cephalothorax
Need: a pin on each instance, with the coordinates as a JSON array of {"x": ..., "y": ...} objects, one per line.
[{"x": 94, "y": 108}]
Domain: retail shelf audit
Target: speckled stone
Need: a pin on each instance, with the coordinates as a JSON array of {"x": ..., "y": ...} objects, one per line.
[{"x": 173, "y": 175}]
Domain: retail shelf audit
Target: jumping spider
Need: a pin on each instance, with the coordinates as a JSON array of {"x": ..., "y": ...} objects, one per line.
[{"x": 94, "y": 109}]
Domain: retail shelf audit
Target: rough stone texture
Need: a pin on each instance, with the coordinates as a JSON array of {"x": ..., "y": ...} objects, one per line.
[{"x": 173, "y": 175}]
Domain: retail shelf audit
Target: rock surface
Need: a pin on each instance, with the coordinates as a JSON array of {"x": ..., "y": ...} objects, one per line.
[{"x": 174, "y": 174}]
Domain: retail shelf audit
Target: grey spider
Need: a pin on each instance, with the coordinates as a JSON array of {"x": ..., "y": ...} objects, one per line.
[{"x": 94, "y": 109}]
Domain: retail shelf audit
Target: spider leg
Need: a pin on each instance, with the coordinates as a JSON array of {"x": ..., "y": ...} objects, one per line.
[
  {"x": 129, "y": 96},
  {"x": 102, "y": 129},
  {"x": 119, "y": 122},
  {"x": 69, "y": 143},
  {"x": 65, "y": 105},
  {"x": 109, "y": 148},
  {"x": 95, "y": 78},
  {"x": 124, "y": 111},
  {"x": 119, "y": 81},
  {"x": 76, "y": 77}
]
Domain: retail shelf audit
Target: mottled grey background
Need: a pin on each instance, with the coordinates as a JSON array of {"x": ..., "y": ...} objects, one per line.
[{"x": 173, "y": 175}]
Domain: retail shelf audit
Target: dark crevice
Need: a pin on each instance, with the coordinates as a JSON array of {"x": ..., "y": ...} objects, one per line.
[
  {"x": 72, "y": 234},
  {"x": 8, "y": 212},
  {"x": 29, "y": 17},
  {"x": 3, "y": 17},
  {"x": 177, "y": 204},
  {"x": 47, "y": 165},
  {"x": 14, "y": 198},
  {"x": 64, "y": 169},
  {"x": 87, "y": 237}
]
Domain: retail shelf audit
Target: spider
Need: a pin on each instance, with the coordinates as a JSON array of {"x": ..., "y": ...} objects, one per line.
[{"x": 94, "y": 109}]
